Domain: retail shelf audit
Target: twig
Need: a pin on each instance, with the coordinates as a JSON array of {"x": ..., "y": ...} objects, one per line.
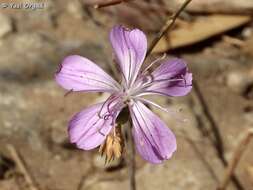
[
  {"x": 106, "y": 4},
  {"x": 90, "y": 14},
  {"x": 23, "y": 169},
  {"x": 200, "y": 155},
  {"x": 167, "y": 26},
  {"x": 235, "y": 159},
  {"x": 218, "y": 143},
  {"x": 130, "y": 155},
  {"x": 233, "y": 41}
]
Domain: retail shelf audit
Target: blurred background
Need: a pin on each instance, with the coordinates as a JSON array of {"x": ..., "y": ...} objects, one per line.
[{"x": 216, "y": 39}]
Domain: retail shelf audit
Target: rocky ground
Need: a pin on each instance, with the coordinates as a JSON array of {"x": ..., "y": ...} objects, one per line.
[{"x": 34, "y": 111}]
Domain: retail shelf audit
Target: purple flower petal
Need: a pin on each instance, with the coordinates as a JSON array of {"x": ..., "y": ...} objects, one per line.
[
  {"x": 89, "y": 128},
  {"x": 154, "y": 140},
  {"x": 171, "y": 78},
  {"x": 130, "y": 47},
  {"x": 77, "y": 73}
]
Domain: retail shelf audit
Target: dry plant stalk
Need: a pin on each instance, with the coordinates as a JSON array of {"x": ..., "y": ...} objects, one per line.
[
  {"x": 22, "y": 167},
  {"x": 167, "y": 26},
  {"x": 131, "y": 156},
  {"x": 240, "y": 149}
]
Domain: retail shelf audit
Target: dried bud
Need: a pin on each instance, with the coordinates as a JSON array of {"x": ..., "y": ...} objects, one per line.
[{"x": 113, "y": 146}]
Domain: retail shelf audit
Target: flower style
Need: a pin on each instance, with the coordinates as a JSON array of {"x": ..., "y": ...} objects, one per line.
[{"x": 97, "y": 124}]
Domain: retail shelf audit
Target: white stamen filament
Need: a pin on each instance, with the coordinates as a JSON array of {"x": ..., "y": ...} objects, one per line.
[
  {"x": 153, "y": 62},
  {"x": 114, "y": 131},
  {"x": 173, "y": 113}
]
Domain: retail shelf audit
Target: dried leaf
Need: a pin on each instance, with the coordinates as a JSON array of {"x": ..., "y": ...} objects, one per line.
[
  {"x": 220, "y": 6},
  {"x": 200, "y": 29},
  {"x": 250, "y": 173}
]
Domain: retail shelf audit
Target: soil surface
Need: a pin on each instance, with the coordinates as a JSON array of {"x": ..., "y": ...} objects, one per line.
[{"x": 34, "y": 112}]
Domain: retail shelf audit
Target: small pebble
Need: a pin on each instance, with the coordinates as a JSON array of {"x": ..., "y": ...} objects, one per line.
[{"x": 238, "y": 81}]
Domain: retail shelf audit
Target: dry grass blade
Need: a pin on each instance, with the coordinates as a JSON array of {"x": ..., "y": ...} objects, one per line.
[
  {"x": 22, "y": 167},
  {"x": 235, "y": 159}
]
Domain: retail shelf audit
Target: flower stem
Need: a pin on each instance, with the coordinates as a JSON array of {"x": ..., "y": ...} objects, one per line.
[
  {"x": 167, "y": 26},
  {"x": 130, "y": 155}
]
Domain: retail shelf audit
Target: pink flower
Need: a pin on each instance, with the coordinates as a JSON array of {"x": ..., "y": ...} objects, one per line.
[{"x": 89, "y": 128}]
